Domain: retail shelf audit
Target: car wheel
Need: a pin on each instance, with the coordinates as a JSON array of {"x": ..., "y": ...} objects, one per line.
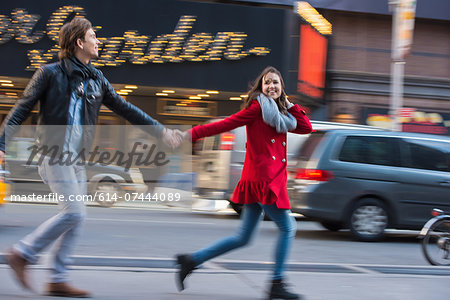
[
  {"x": 106, "y": 193},
  {"x": 332, "y": 226},
  {"x": 368, "y": 220}
]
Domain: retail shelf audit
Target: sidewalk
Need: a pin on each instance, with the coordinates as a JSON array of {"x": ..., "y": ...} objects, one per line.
[{"x": 317, "y": 282}]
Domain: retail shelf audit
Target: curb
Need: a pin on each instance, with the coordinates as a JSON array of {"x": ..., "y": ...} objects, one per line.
[{"x": 168, "y": 263}]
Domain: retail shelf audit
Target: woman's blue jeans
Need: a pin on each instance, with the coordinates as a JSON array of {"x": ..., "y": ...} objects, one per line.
[{"x": 251, "y": 215}]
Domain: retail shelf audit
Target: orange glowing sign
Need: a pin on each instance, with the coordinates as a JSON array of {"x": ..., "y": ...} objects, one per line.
[{"x": 312, "y": 62}]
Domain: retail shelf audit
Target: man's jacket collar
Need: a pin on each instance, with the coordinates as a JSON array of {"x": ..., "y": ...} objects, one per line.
[{"x": 76, "y": 69}]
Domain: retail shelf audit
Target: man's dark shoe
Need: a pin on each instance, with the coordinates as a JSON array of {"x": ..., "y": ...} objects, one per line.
[
  {"x": 187, "y": 265},
  {"x": 19, "y": 266},
  {"x": 279, "y": 291},
  {"x": 63, "y": 289}
]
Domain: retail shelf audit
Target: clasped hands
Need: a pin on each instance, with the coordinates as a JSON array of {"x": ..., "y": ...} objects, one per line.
[{"x": 174, "y": 137}]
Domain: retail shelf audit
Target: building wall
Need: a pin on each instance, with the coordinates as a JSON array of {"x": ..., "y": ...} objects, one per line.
[
  {"x": 362, "y": 43},
  {"x": 359, "y": 65}
]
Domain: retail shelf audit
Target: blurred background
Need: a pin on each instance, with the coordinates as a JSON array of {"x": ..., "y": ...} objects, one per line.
[
  {"x": 355, "y": 66},
  {"x": 186, "y": 61}
]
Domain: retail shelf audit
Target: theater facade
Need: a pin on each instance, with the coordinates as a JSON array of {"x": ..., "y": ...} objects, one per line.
[{"x": 183, "y": 62}]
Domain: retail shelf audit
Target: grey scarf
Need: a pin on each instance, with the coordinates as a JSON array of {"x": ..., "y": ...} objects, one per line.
[{"x": 273, "y": 117}]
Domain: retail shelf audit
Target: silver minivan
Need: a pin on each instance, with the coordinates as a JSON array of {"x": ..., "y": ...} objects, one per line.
[
  {"x": 370, "y": 181},
  {"x": 218, "y": 160}
]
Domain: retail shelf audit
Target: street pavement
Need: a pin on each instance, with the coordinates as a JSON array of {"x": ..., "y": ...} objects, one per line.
[
  {"x": 153, "y": 278},
  {"x": 343, "y": 275}
]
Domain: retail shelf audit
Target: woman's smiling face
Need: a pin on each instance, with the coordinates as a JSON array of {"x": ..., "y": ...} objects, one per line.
[{"x": 271, "y": 85}]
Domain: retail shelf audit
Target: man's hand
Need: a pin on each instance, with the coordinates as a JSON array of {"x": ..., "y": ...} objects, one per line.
[
  {"x": 2, "y": 156},
  {"x": 179, "y": 136}
]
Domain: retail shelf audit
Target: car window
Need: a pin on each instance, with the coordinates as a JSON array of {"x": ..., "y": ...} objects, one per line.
[
  {"x": 20, "y": 148},
  {"x": 425, "y": 154},
  {"x": 240, "y": 138},
  {"x": 368, "y": 150},
  {"x": 210, "y": 142},
  {"x": 308, "y": 147},
  {"x": 197, "y": 146},
  {"x": 295, "y": 141}
]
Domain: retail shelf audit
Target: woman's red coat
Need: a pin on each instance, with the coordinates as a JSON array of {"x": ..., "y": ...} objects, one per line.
[{"x": 264, "y": 175}]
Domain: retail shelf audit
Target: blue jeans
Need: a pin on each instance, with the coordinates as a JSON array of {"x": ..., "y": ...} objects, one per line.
[
  {"x": 62, "y": 228},
  {"x": 251, "y": 215}
]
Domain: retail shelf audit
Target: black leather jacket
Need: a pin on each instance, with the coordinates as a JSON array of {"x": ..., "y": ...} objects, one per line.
[{"x": 52, "y": 86}]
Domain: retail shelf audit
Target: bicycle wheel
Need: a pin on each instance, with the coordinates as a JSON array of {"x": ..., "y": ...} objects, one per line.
[{"x": 436, "y": 244}]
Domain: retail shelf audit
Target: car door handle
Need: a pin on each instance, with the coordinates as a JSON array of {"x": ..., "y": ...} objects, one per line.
[{"x": 445, "y": 182}]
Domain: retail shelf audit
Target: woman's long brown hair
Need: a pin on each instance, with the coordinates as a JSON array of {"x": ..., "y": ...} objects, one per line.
[{"x": 256, "y": 89}]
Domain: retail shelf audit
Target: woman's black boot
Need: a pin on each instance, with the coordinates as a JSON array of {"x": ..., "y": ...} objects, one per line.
[
  {"x": 278, "y": 291},
  {"x": 187, "y": 265}
]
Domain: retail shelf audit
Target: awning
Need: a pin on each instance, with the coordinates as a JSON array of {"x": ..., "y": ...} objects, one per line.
[{"x": 428, "y": 9}]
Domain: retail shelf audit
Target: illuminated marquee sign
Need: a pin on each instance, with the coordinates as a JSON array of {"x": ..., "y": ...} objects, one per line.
[
  {"x": 179, "y": 46},
  {"x": 312, "y": 16}
]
